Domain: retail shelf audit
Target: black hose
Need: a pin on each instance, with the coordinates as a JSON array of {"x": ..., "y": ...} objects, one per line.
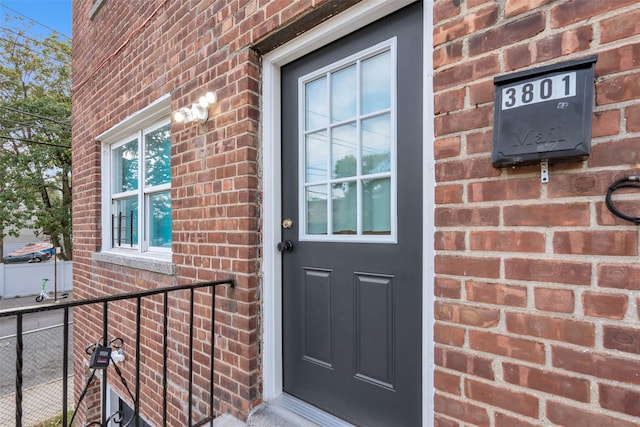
[{"x": 626, "y": 182}]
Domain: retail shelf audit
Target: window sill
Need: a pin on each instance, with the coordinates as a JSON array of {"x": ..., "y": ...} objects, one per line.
[{"x": 157, "y": 263}]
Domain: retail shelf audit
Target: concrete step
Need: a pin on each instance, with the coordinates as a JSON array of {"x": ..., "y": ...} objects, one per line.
[{"x": 284, "y": 411}]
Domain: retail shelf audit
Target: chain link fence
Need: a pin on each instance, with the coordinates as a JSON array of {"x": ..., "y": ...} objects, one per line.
[{"x": 42, "y": 371}]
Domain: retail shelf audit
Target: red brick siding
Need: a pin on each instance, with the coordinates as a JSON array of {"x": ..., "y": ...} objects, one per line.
[
  {"x": 535, "y": 284},
  {"x": 184, "y": 49},
  {"x": 548, "y": 282}
]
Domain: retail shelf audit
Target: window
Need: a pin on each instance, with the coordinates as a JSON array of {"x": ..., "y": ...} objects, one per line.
[
  {"x": 141, "y": 173},
  {"x": 125, "y": 416},
  {"x": 137, "y": 183},
  {"x": 348, "y": 144}
]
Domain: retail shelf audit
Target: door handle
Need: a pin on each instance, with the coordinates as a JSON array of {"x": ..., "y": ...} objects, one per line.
[{"x": 286, "y": 246}]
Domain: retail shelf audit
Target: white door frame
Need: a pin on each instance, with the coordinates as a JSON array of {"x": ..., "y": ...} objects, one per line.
[{"x": 346, "y": 22}]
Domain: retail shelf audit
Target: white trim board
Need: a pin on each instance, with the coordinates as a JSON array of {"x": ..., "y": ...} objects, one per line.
[{"x": 346, "y": 22}]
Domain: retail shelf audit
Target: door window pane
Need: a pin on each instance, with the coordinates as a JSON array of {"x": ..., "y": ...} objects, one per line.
[
  {"x": 344, "y": 151},
  {"x": 348, "y": 181},
  {"x": 316, "y": 108},
  {"x": 376, "y": 144},
  {"x": 344, "y": 94},
  {"x": 316, "y": 153},
  {"x": 344, "y": 197},
  {"x": 316, "y": 209},
  {"x": 157, "y": 158},
  {"x": 125, "y": 167},
  {"x": 376, "y": 83},
  {"x": 376, "y": 206},
  {"x": 160, "y": 219}
]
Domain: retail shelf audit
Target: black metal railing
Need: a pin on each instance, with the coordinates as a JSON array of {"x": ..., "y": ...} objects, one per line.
[{"x": 108, "y": 344}]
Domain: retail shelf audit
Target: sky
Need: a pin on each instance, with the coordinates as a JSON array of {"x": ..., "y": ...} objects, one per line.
[{"x": 54, "y": 14}]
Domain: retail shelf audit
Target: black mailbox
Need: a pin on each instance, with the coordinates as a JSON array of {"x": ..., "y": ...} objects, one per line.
[{"x": 543, "y": 114}]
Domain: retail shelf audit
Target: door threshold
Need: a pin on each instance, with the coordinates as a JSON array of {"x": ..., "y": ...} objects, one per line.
[{"x": 288, "y": 411}]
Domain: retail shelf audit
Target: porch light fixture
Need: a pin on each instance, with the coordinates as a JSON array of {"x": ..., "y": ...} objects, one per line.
[{"x": 198, "y": 112}]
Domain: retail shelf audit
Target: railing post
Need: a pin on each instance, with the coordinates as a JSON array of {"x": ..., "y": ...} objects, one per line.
[
  {"x": 213, "y": 351},
  {"x": 165, "y": 326},
  {"x": 19, "y": 348},
  {"x": 105, "y": 338},
  {"x": 191, "y": 291},
  {"x": 136, "y": 403},
  {"x": 65, "y": 367}
]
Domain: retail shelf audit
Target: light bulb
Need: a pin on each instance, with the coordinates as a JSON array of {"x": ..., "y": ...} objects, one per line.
[
  {"x": 183, "y": 115},
  {"x": 178, "y": 116},
  {"x": 207, "y": 99},
  {"x": 211, "y": 97}
]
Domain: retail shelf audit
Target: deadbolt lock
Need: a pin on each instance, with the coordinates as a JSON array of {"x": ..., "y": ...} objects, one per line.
[{"x": 287, "y": 223}]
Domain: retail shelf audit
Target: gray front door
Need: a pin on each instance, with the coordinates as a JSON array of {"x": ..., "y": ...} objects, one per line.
[{"x": 352, "y": 224}]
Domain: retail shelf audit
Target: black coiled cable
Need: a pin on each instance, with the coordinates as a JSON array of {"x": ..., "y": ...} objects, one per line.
[{"x": 629, "y": 181}]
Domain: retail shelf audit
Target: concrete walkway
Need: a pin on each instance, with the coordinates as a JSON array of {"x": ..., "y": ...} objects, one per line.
[{"x": 39, "y": 403}]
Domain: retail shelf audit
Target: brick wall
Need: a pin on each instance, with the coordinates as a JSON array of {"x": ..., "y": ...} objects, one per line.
[
  {"x": 127, "y": 56},
  {"x": 537, "y": 286},
  {"x": 537, "y": 294}
]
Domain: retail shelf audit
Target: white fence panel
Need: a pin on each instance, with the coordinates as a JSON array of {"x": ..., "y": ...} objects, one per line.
[{"x": 18, "y": 280}]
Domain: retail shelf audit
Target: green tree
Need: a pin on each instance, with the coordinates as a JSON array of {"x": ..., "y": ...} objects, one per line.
[{"x": 35, "y": 135}]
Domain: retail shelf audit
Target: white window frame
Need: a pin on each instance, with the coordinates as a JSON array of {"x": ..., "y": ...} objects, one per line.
[
  {"x": 357, "y": 58},
  {"x": 137, "y": 126}
]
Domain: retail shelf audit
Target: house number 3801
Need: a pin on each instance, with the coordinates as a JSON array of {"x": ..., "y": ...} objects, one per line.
[{"x": 549, "y": 88}]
